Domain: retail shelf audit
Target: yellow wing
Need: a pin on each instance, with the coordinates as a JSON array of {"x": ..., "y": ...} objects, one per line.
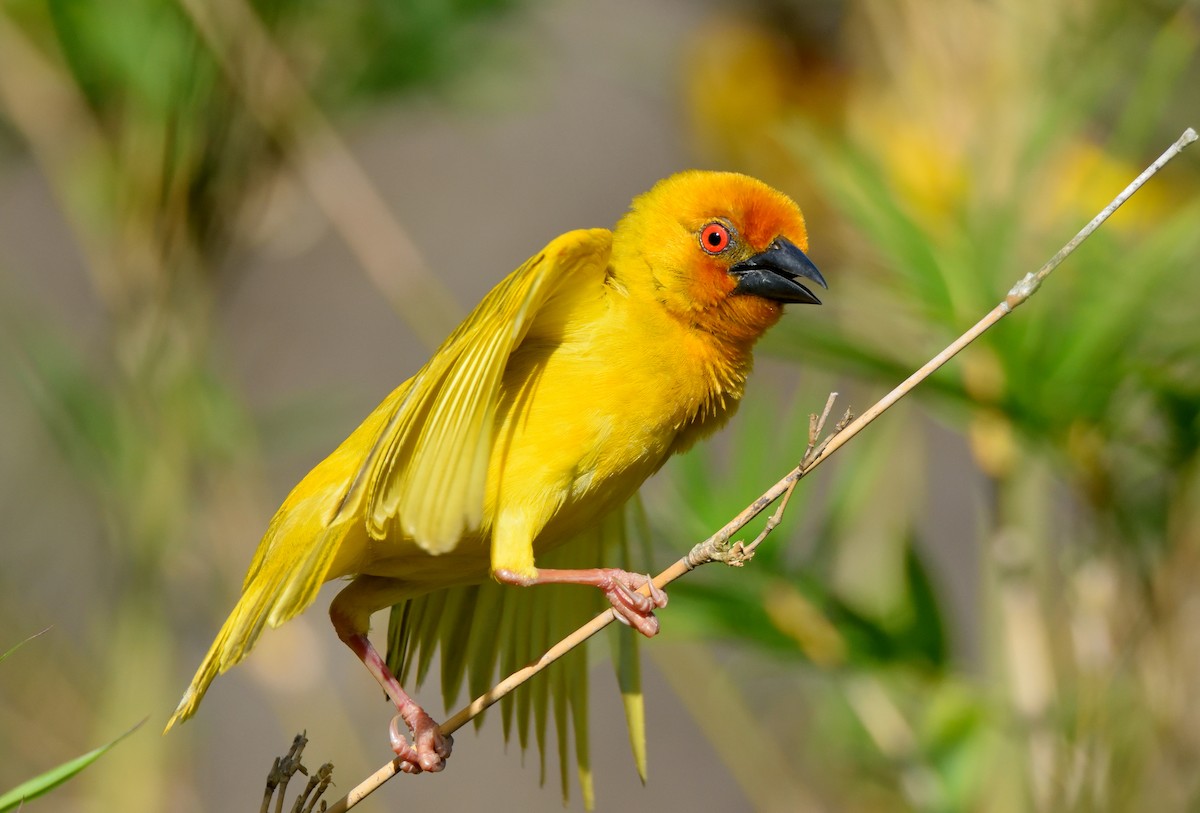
[
  {"x": 429, "y": 442},
  {"x": 427, "y": 472}
]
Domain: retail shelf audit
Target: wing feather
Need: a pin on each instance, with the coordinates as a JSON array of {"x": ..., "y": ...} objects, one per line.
[{"x": 426, "y": 475}]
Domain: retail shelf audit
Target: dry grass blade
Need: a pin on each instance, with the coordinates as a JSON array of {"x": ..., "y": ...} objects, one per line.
[{"x": 324, "y": 165}]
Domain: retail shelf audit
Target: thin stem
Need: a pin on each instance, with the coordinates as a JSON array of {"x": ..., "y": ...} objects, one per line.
[
  {"x": 816, "y": 426},
  {"x": 1030, "y": 282}
]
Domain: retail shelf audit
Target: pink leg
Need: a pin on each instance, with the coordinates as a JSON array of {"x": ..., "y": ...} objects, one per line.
[
  {"x": 620, "y": 587},
  {"x": 430, "y": 748}
]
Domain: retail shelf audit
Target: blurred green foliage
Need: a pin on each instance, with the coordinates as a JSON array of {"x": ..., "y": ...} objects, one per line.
[
  {"x": 783, "y": 604},
  {"x": 950, "y": 150}
]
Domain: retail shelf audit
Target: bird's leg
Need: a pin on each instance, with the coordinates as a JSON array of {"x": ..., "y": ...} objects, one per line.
[
  {"x": 350, "y": 612},
  {"x": 619, "y": 587}
]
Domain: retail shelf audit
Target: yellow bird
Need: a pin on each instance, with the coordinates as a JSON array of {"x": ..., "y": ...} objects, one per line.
[{"x": 533, "y": 425}]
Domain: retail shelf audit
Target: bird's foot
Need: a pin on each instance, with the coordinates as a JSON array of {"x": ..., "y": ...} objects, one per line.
[
  {"x": 631, "y": 607},
  {"x": 430, "y": 748},
  {"x": 620, "y": 587}
]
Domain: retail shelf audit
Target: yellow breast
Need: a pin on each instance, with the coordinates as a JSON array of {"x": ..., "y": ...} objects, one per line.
[{"x": 596, "y": 400}]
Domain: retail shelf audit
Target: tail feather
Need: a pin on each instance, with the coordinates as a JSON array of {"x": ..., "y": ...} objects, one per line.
[
  {"x": 238, "y": 634},
  {"x": 278, "y": 588},
  {"x": 478, "y": 628}
]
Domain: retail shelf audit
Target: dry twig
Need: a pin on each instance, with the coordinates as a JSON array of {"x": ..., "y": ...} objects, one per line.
[
  {"x": 281, "y": 774},
  {"x": 717, "y": 548}
]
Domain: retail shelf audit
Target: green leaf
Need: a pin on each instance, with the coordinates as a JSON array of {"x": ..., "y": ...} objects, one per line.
[
  {"x": 922, "y": 637},
  {"x": 54, "y": 777}
]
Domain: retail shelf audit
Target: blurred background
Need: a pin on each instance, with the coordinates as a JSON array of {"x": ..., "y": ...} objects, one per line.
[{"x": 228, "y": 228}]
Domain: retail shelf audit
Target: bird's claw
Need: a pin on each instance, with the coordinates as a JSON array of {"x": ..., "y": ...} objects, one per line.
[
  {"x": 430, "y": 748},
  {"x": 633, "y": 608}
]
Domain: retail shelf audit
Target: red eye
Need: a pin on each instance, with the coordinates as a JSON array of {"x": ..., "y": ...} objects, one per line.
[{"x": 714, "y": 238}]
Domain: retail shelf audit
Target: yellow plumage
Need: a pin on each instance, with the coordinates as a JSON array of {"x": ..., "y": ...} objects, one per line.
[{"x": 531, "y": 427}]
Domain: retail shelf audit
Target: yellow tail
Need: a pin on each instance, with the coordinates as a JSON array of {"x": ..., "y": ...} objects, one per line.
[
  {"x": 237, "y": 636},
  {"x": 289, "y": 568},
  {"x": 479, "y": 627}
]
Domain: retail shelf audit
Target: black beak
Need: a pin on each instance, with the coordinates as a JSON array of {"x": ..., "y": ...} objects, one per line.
[{"x": 772, "y": 274}]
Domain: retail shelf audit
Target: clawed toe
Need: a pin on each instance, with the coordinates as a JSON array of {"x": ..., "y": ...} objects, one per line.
[
  {"x": 657, "y": 594},
  {"x": 633, "y": 608},
  {"x": 632, "y": 599},
  {"x": 430, "y": 747}
]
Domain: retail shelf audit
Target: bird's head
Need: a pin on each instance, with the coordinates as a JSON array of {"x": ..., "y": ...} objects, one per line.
[{"x": 721, "y": 250}]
